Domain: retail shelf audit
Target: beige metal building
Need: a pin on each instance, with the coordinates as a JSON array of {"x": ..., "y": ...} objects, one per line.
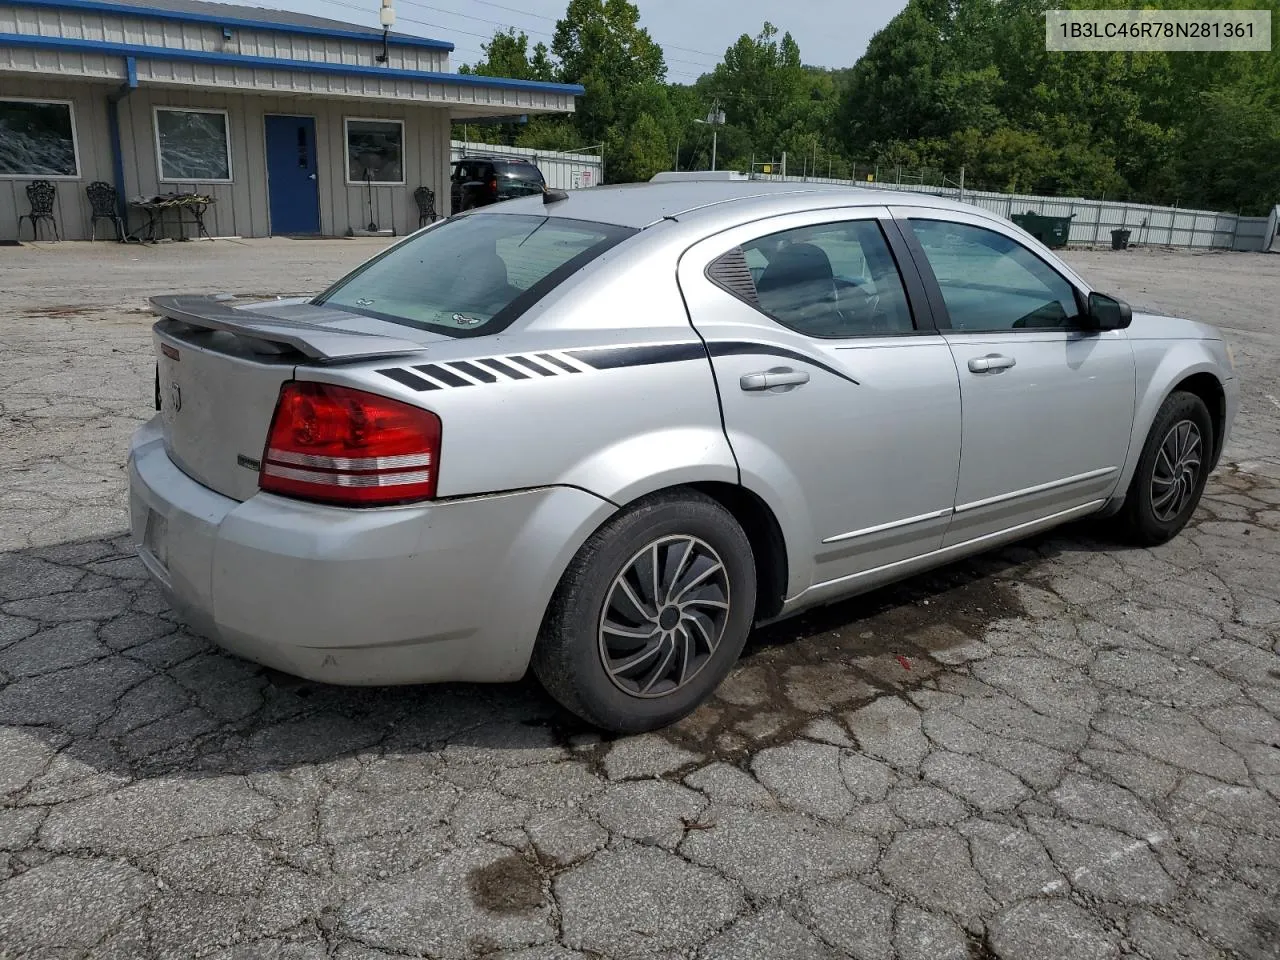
[{"x": 292, "y": 124}]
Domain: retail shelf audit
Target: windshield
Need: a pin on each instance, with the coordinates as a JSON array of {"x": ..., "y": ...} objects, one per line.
[{"x": 472, "y": 275}]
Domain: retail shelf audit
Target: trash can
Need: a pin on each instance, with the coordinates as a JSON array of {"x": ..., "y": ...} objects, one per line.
[
  {"x": 1051, "y": 231},
  {"x": 1054, "y": 231},
  {"x": 1120, "y": 239},
  {"x": 1027, "y": 221}
]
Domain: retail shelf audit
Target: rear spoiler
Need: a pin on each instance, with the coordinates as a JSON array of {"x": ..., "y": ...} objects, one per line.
[{"x": 315, "y": 331}]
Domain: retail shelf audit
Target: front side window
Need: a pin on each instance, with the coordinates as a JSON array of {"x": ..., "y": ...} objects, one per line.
[
  {"x": 375, "y": 151},
  {"x": 473, "y": 275},
  {"x": 37, "y": 139},
  {"x": 831, "y": 280},
  {"x": 193, "y": 145},
  {"x": 992, "y": 282}
]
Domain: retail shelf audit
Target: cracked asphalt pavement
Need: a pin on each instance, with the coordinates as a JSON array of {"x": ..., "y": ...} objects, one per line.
[{"x": 1064, "y": 750}]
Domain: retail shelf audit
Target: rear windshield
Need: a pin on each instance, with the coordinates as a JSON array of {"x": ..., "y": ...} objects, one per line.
[
  {"x": 523, "y": 171},
  {"x": 472, "y": 275}
]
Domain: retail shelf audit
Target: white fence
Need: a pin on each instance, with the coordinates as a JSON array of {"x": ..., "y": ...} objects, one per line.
[
  {"x": 562, "y": 171},
  {"x": 1093, "y": 220}
]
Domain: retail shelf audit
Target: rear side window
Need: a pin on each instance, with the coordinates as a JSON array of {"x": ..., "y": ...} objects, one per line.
[
  {"x": 469, "y": 170},
  {"x": 473, "y": 275},
  {"x": 832, "y": 280}
]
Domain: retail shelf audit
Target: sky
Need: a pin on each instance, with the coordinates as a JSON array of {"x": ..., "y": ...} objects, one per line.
[{"x": 692, "y": 33}]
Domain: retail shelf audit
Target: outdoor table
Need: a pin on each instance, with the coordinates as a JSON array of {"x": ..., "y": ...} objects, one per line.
[{"x": 186, "y": 209}]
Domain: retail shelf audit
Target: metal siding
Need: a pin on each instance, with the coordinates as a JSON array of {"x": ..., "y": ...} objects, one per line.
[
  {"x": 334, "y": 211},
  {"x": 1093, "y": 220},
  {"x": 89, "y": 104},
  {"x": 79, "y": 63},
  {"x": 208, "y": 38},
  {"x": 1250, "y": 234},
  {"x": 562, "y": 171},
  {"x": 66, "y": 64}
]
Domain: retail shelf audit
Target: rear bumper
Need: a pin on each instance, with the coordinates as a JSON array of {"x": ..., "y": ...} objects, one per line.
[{"x": 453, "y": 590}]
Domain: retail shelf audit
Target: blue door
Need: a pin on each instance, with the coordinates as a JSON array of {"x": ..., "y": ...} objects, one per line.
[{"x": 291, "y": 175}]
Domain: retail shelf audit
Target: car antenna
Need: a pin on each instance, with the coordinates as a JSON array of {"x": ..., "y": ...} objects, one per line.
[{"x": 554, "y": 196}]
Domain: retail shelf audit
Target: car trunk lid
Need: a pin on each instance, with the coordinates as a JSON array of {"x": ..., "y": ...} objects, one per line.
[{"x": 220, "y": 365}]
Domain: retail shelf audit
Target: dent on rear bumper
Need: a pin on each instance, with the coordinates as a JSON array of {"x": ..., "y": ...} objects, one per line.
[{"x": 452, "y": 590}]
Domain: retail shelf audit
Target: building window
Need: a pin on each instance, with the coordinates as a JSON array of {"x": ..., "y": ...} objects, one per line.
[
  {"x": 37, "y": 139},
  {"x": 375, "y": 151},
  {"x": 193, "y": 145}
]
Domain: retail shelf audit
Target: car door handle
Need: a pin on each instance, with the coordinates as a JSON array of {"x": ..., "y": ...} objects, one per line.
[
  {"x": 777, "y": 377},
  {"x": 991, "y": 362}
]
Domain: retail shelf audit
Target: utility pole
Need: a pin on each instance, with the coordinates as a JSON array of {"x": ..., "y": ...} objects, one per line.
[{"x": 715, "y": 120}]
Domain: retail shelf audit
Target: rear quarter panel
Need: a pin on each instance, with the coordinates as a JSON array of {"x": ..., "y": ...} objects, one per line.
[{"x": 613, "y": 391}]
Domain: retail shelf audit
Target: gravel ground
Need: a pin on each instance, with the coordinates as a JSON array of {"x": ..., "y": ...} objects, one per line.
[{"x": 1064, "y": 750}]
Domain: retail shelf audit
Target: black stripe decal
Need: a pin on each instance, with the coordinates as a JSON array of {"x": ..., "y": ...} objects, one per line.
[
  {"x": 609, "y": 358},
  {"x": 504, "y": 369},
  {"x": 558, "y": 362},
  {"x": 471, "y": 370},
  {"x": 598, "y": 358},
  {"x": 408, "y": 379},
  {"x": 531, "y": 364},
  {"x": 732, "y": 348},
  {"x": 444, "y": 376}
]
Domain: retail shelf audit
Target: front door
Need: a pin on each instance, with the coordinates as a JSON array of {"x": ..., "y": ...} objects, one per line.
[
  {"x": 1048, "y": 404},
  {"x": 291, "y": 175},
  {"x": 841, "y": 405}
]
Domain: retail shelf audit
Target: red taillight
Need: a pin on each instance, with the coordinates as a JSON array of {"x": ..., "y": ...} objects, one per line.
[
  {"x": 493, "y": 186},
  {"x": 343, "y": 446}
]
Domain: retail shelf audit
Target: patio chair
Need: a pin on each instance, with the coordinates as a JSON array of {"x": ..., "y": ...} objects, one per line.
[
  {"x": 104, "y": 204},
  {"x": 40, "y": 194},
  {"x": 426, "y": 200}
]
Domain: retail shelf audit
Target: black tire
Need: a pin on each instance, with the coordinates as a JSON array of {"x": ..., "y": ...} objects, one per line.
[
  {"x": 570, "y": 657},
  {"x": 1144, "y": 519}
]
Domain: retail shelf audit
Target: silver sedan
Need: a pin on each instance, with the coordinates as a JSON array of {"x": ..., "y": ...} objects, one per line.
[{"x": 603, "y": 434}]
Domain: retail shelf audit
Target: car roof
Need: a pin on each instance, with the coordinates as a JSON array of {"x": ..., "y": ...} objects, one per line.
[
  {"x": 641, "y": 205},
  {"x": 490, "y": 159}
]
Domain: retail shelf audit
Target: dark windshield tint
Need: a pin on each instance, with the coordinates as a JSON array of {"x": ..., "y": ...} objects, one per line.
[
  {"x": 521, "y": 171},
  {"x": 472, "y": 275}
]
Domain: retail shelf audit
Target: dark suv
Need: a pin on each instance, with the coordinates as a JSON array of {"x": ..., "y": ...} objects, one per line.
[{"x": 478, "y": 181}]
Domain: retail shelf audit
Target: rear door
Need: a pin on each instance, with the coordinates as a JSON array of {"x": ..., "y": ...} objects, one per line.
[
  {"x": 840, "y": 400},
  {"x": 1048, "y": 405}
]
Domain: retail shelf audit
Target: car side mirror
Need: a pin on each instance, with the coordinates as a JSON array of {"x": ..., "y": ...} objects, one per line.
[{"x": 1108, "y": 313}]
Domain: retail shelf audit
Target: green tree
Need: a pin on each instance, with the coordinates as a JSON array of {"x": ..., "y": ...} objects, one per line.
[
  {"x": 601, "y": 45},
  {"x": 507, "y": 55}
]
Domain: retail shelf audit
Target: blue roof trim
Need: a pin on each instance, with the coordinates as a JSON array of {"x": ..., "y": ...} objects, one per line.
[
  {"x": 126, "y": 9},
  {"x": 274, "y": 63}
]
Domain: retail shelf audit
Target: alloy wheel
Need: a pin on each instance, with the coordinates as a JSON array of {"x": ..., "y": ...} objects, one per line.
[
  {"x": 1177, "y": 470},
  {"x": 664, "y": 616}
]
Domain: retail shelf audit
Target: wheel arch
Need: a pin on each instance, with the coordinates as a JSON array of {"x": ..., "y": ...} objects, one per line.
[
  {"x": 1181, "y": 365},
  {"x": 1208, "y": 388},
  {"x": 748, "y": 509},
  {"x": 764, "y": 532}
]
